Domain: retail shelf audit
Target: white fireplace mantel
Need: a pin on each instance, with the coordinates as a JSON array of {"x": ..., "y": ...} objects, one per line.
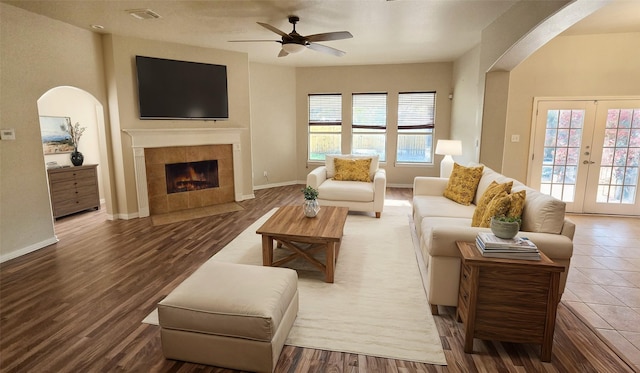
[{"x": 159, "y": 138}]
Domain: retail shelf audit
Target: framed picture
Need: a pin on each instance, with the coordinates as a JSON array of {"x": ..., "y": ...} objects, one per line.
[{"x": 55, "y": 135}]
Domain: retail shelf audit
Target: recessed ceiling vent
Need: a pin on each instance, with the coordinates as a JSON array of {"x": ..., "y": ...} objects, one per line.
[{"x": 143, "y": 14}]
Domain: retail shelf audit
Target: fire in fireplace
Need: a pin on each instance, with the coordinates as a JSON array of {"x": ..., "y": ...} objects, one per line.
[{"x": 190, "y": 176}]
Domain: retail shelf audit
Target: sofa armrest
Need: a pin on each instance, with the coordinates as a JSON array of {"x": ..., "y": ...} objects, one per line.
[
  {"x": 316, "y": 177},
  {"x": 379, "y": 190},
  {"x": 442, "y": 241},
  {"x": 380, "y": 179},
  {"x": 429, "y": 186},
  {"x": 568, "y": 229}
]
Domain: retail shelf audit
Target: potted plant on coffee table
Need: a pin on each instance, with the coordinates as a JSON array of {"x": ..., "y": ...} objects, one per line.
[{"x": 310, "y": 206}]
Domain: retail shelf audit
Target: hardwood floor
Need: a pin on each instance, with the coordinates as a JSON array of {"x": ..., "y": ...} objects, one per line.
[{"x": 77, "y": 306}]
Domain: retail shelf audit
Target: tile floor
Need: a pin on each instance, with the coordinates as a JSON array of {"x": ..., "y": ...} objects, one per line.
[{"x": 604, "y": 279}]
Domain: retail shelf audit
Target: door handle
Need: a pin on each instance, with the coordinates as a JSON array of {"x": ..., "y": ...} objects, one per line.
[{"x": 588, "y": 162}]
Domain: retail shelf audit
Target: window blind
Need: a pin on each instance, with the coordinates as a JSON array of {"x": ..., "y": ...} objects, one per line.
[
  {"x": 325, "y": 109},
  {"x": 370, "y": 110},
  {"x": 416, "y": 110}
]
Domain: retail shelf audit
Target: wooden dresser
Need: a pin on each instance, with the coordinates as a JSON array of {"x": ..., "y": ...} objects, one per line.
[
  {"x": 508, "y": 300},
  {"x": 73, "y": 189}
]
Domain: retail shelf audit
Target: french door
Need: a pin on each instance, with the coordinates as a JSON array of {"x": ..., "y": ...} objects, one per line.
[{"x": 587, "y": 154}]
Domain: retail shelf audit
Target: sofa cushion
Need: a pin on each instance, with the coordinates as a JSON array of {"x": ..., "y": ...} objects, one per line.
[
  {"x": 542, "y": 213},
  {"x": 438, "y": 206},
  {"x": 239, "y": 309},
  {"x": 352, "y": 169},
  {"x": 331, "y": 170},
  {"x": 463, "y": 183},
  {"x": 356, "y": 191},
  {"x": 493, "y": 189}
]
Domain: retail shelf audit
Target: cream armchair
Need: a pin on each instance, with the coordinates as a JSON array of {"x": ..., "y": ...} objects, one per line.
[{"x": 356, "y": 195}]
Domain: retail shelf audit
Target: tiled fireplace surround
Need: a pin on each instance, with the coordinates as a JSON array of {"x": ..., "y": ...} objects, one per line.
[
  {"x": 156, "y": 159},
  {"x": 152, "y": 148}
]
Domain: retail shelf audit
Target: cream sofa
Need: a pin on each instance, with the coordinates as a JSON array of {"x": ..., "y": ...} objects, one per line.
[
  {"x": 440, "y": 222},
  {"x": 356, "y": 195}
]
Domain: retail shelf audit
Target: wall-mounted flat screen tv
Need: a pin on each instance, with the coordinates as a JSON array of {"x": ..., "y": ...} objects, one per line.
[{"x": 170, "y": 89}]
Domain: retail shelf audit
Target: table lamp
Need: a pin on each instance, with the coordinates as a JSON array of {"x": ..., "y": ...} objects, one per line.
[{"x": 448, "y": 148}]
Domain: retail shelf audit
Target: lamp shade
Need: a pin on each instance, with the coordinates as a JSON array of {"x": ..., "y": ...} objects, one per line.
[
  {"x": 293, "y": 47},
  {"x": 449, "y": 147}
]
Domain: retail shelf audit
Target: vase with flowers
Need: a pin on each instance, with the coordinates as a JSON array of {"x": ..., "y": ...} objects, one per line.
[
  {"x": 310, "y": 206},
  {"x": 75, "y": 131}
]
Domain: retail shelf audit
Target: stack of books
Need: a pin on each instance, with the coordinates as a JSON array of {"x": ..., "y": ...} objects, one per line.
[{"x": 515, "y": 248}]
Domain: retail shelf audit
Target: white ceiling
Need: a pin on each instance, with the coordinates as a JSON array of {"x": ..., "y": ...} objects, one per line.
[{"x": 400, "y": 31}]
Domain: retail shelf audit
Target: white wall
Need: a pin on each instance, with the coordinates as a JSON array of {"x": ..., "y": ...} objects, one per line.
[
  {"x": 36, "y": 54},
  {"x": 273, "y": 124},
  {"x": 376, "y": 78},
  {"x": 568, "y": 66},
  {"x": 465, "y": 109},
  {"x": 120, "y": 55}
]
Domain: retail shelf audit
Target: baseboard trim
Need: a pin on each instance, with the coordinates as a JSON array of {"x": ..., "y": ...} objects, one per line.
[
  {"x": 274, "y": 185},
  {"x": 28, "y": 249}
]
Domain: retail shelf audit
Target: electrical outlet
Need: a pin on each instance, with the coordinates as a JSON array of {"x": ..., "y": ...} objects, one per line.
[{"x": 515, "y": 138}]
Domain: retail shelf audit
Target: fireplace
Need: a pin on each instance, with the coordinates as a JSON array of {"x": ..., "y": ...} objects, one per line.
[
  {"x": 153, "y": 148},
  {"x": 186, "y": 177},
  {"x": 190, "y": 176}
]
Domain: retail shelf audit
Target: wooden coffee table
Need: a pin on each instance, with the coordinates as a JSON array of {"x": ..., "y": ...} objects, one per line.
[{"x": 304, "y": 236}]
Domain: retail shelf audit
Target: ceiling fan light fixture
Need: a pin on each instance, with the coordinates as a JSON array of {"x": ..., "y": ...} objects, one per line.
[{"x": 293, "y": 48}]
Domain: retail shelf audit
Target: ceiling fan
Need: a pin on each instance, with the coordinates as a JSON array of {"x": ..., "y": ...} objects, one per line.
[{"x": 295, "y": 43}]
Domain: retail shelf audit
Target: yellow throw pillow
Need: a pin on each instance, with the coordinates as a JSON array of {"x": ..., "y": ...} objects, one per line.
[
  {"x": 517, "y": 204},
  {"x": 499, "y": 205},
  {"x": 463, "y": 183},
  {"x": 352, "y": 169},
  {"x": 492, "y": 190}
]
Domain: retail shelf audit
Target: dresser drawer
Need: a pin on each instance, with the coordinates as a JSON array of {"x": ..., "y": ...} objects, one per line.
[
  {"x": 63, "y": 174},
  {"x": 73, "y": 189}
]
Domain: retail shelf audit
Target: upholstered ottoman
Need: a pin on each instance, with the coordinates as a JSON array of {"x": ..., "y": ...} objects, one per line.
[{"x": 230, "y": 315}]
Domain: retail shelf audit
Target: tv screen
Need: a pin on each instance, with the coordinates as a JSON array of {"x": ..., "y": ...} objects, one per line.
[{"x": 169, "y": 89}]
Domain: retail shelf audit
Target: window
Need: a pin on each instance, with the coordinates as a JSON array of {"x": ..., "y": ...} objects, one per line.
[
  {"x": 369, "y": 124},
  {"x": 325, "y": 125},
  {"x": 416, "y": 120}
]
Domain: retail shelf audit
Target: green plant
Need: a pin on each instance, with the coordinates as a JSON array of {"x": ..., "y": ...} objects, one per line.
[
  {"x": 508, "y": 219},
  {"x": 309, "y": 193}
]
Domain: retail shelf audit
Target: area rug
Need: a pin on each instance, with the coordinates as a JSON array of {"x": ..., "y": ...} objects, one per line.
[
  {"x": 195, "y": 213},
  {"x": 377, "y": 305}
]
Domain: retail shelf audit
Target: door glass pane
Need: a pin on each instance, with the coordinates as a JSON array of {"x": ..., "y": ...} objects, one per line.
[
  {"x": 561, "y": 153},
  {"x": 621, "y": 149}
]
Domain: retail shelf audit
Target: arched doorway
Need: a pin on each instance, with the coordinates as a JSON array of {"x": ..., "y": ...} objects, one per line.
[{"x": 81, "y": 107}]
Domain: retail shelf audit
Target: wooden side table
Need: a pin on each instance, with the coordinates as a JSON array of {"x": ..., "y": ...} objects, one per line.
[{"x": 508, "y": 300}]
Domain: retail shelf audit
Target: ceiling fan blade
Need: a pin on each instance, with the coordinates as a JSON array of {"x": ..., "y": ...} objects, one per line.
[
  {"x": 283, "y": 53},
  {"x": 253, "y": 41},
  {"x": 327, "y": 36},
  {"x": 325, "y": 49},
  {"x": 271, "y": 28}
]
